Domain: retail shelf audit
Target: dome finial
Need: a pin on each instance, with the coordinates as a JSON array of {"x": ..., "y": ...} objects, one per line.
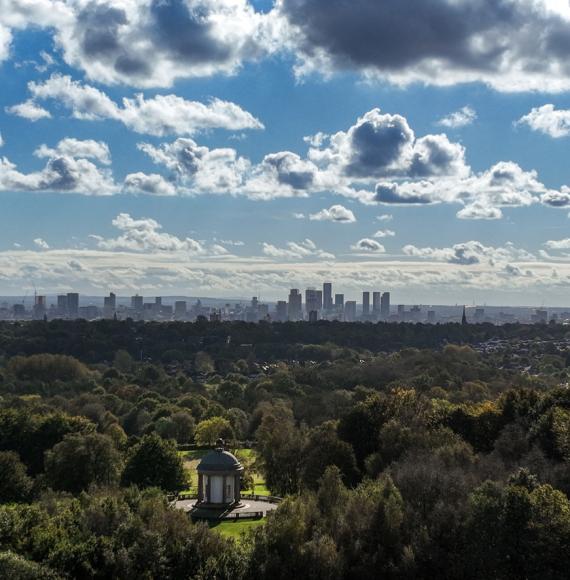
[{"x": 220, "y": 444}]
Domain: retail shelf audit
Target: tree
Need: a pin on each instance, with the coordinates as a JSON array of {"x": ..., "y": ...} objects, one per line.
[
  {"x": 17, "y": 567},
  {"x": 154, "y": 462},
  {"x": 210, "y": 430},
  {"x": 48, "y": 368},
  {"x": 324, "y": 449},
  {"x": 82, "y": 460},
  {"x": 15, "y": 485},
  {"x": 280, "y": 445},
  {"x": 123, "y": 361}
]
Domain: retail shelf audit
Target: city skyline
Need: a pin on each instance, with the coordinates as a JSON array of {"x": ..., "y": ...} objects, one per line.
[
  {"x": 318, "y": 304},
  {"x": 248, "y": 163}
]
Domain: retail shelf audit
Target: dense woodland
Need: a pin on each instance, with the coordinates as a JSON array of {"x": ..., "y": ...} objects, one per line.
[{"x": 401, "y": 451}]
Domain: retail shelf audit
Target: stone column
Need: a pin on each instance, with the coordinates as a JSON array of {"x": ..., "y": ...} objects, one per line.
[
  {"x": 224, "y": 490},
  {"x": 200, "y": 488}
]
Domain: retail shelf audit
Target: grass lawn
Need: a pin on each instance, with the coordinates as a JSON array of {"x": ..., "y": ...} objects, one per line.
[
  {"x": 191, "y": 460},
  {"x": 236, "y": 529}
]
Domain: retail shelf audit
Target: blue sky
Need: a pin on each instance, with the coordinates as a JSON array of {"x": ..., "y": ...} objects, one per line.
[{"x": 228, "y": 147}]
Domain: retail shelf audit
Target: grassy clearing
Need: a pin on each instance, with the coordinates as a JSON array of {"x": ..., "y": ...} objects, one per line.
[{"x": 236, "y": 529}]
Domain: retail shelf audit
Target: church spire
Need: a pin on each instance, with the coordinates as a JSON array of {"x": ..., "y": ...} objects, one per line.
[{"x": 464, "y": 317}]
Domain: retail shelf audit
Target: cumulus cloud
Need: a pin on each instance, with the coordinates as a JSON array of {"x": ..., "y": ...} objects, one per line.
[
  {"x": 558, "y": 244},
  {"x": 306, "y": 249},
  {"x": 152, "y": 184},
  {"x": 155, "y": 42},
  {"x": 69, "y": 147},
  {"x": 71, "y": 167},
  {"x": 160, "y": 116},
  {"x": 382, "y": 145},
  {"x": 198, "y": 169},
  {"x": 144, "y": 235},
  {"x": 335, "y": 213},
  {"x": 369, "y": 246},
  {"x": 29, "y": 110},
  {"x": 479, "y": 211},
  {"x": 557, "y": 198},
  {"x": 41, "y": 243},
  {"x": 483, "y": 195},
  {"x": 470, "y": 253},
  {"x": 384, "y": 234},
  {"x": 148, "y": 42},
  {"x": 465, "y": 116},
  {"x": 435, "y": 42},
  {"x": 548, "y": 120}
]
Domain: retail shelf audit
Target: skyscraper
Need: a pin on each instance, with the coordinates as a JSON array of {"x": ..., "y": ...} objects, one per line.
[
  {"x": 62, "y": 304},
  {"x": 281, "y": 311},
  {"x": 365, "y": 304},
  {"x": 339, "y": 302},
  {"x": 327, "y": 296},
  {"x": 385, "y": 306},
  {"x": 313, "y": 300},
  {"x": 376, "y": 303},
  {"x": 137, "y": 303},
  {"x": 295, "y": 305},
  {"x": 350, "y": 311},
  {"x": 109, "y": 305},
  {"x": 180, "y": 309},
  {"x": 73, "y": 304}
]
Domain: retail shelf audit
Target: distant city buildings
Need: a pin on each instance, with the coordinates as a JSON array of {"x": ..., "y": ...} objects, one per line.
[{"x": 318, "y": 304}]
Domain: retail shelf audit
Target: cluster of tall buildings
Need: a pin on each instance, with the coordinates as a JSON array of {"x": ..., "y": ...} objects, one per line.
[
  {"x": 322, "y": 304},
  {"x": 310, "y": 305}
]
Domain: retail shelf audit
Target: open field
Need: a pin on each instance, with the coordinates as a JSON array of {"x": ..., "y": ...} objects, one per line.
[{"x": 236, "y": 529}]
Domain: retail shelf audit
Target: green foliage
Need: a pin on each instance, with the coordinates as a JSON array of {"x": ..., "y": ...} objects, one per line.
[
  {"x": 47, "y": 368},
  {"x": 15, "y": 485},
  {"x": 16, "y": 567},
  {"x": 154, "y": 462},
  {"x": 400, "y": 455},
  {"x": 210, "y": 430},
  {"x": 81, "y": 460}
]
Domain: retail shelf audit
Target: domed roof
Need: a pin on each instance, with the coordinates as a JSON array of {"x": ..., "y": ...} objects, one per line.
[{"x": 219, "y": 460}]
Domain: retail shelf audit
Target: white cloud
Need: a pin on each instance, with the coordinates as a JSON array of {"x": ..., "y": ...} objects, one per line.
[
  {"x": 386, "y": 217},
  {"x": 306, "y": 249},
  {"x": 5, "y": 40},
  {"x": 69, "y": 147},
  {"x": 94, "y": 271},
  {"x": 465, "y": 116},
  {"x": 147, "y": 43},
  {"x": 198, "y": 169},
  {"x": 548, "y": 120},
  {"x": 41, "y": 243},
  {"x": 470, "y": 253},
  {"x": 67, "y": 170},
  {"x": 384, "y": 234},
  {"x": 335, "y": 213},
  {"x": 441, "y": 43},
  {"x": 160, "y": 116},
  {"x": 558, "y": 244},
  {"x": 368, "y": 245},
  {"x": 29, "y": 110},
  {"x": 144, "y": 235},
  {"x": 152, "y": 184}
]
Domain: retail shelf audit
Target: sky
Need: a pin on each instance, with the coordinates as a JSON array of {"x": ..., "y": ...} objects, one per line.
[{"x": 232, "y": 148}]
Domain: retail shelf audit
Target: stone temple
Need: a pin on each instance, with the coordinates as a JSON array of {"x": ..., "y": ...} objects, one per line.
[{"x": 219, "y": 479}]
